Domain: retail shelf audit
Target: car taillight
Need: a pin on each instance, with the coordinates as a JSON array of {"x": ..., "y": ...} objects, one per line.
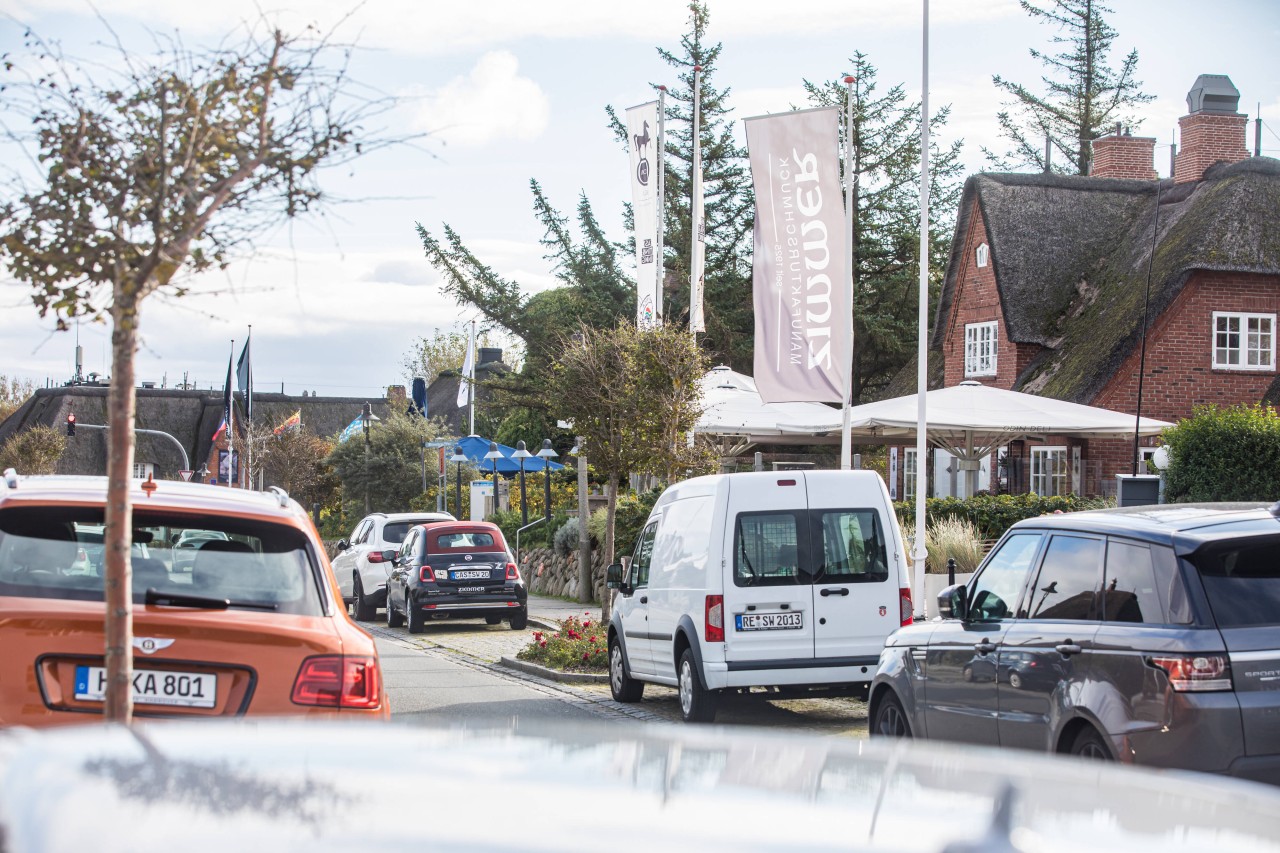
[
  {"x": 425, "y": 574},
  {"x": 905, "y": 615},
  {"x": 374, "y": 556},
  {"x": 337, "y": 681},
  {"x": 513, "y": 573},
  {"x": 714, "y": 630},
  {"x": 1195, "y": 673}
]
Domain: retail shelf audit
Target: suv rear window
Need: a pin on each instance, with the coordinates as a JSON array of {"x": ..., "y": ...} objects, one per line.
[
  {"x": 395, "y": 531},
  {"x": 1242, "y": 581},
  {"x": 54, "y": 552}
]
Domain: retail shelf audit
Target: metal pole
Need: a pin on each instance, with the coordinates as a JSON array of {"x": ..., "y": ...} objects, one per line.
[
  {"x": 457, "y": 496},
  {"x": 846, "y": 428},
  {"x": 546, "y": 481},
  {"x": 584, "y": 535},
  {"x": 366, "y": 468},
  {"x": 918, "y": 551},
  {"x": 524, "y": 501}
]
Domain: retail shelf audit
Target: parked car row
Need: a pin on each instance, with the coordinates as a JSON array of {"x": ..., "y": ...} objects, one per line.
[{"x": 235, "y": 609}]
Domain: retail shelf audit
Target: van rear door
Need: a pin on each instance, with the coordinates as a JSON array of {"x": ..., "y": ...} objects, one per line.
[
  {"x": 855, "y": 592},
  {"x": 768, "y": 598}
]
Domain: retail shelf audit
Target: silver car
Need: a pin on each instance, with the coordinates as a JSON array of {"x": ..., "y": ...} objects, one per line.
[
  {"x": 359, "y": 565},
  {"x": 1146, "y": 635}
]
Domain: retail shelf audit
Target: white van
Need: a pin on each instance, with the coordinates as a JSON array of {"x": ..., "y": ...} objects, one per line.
[{"x": 785, "y": 579}]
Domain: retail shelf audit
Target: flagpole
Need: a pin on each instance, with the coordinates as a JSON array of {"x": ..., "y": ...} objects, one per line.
[
  {"x": 695, "y": 208},
  {"x": 658, "y": 308},
  {"x": 231, "y": 419},
  {"x": 248, "y": 409},
  {"x": 918, "y": 551},
  {"x": 846, "y": 429}
]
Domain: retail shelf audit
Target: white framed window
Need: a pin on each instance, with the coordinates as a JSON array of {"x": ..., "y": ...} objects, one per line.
[
  {"x": 981, "y": 254},
  {"x": 980, "y": 349},
  {"x": 909, "y": 473},
  {"x": 143, "y": 470},
  {"x": 1244, "y": 341},
  {"x": 1049, "y": 471}
]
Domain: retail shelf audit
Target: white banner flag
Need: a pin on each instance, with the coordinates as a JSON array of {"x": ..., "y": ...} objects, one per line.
[
  {"x": 468, "y": 377},
  {"x": 646, "y": 165},
  {"x": 799, "y": 273},
  {"x": 698, "y": 261}
]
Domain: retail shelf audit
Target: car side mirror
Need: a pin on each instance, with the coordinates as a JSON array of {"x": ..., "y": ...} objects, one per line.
[
  {"x": 614, "y": 578},
  {"x": 389, "y": 556},
  {"x": 952, "y": 603},
  {"x": 343, "y": 544}
]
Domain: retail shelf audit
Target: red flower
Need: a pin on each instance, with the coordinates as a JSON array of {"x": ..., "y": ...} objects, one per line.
[
  {"x": 543, "y": 644},
  {"x": 593, "y": 639},
  {"x": 585, "y": 655}
]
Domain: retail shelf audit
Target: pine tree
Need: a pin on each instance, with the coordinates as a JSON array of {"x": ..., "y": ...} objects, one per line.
[
  {"x": 1083, "y": 103},
  {"x": 885, "y": 163}
]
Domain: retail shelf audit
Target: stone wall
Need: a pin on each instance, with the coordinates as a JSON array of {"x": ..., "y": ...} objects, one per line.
[{"x": 547, "y": 573}]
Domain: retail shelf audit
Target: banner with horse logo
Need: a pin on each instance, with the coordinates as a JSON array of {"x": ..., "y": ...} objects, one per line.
[{"x": 645, "y": 147}]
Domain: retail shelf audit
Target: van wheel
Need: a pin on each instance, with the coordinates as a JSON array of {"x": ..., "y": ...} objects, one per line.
[
  {"x": 890, "y": 720},
  {"x": 621, "y": 684},
  {"x": 696, "y": 704},
  {"x": 394, "y": 617},
  {"x": 1089, "y": 744}
]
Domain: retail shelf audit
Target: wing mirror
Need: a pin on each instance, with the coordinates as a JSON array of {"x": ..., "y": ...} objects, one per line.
[
  {"x": 615, "y": 578},
  {"x": 343, "y": 544},
  {"x": 953, "y": 603},
  {"x": 389, "y": 556}
]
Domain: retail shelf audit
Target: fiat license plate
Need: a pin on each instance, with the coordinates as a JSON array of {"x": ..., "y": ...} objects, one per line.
[
  {"x": 152, "y": 687},
  {"x": 778, "y": 621},
  {"x": 471, "y": 574}
]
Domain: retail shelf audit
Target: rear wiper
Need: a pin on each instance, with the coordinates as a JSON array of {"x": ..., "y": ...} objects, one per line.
[{"x": 208, "y": 602}]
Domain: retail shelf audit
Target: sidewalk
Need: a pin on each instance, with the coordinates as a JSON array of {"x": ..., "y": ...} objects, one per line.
[{"x": 550, "y": 612}]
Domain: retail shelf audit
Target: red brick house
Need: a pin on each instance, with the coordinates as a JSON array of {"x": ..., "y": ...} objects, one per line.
[{"x": 1050, "y": 277}]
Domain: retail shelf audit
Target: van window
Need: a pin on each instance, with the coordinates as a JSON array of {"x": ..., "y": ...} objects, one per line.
[
  {"x": 643, "y": 557},
  {"x": 1068, "y": 583},
  {"x": 853, "y": 547},
  {"x": 766, "y": 549}
]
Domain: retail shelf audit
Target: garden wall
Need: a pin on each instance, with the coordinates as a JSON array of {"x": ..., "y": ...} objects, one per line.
[{"x": 547, "y": 573}]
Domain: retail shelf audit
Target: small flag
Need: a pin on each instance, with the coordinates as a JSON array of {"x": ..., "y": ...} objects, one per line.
[
  {"x": 351, "y": 429},
  {"x": 468, "y": 371},
  {"x": 291, "y": 422},
  {"x": 226, "y": 406},
  {"x": 244, "y": 379}
]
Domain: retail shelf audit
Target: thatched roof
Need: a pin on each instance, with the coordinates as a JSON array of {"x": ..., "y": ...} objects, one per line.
[{"x": 1071, "y": 258}]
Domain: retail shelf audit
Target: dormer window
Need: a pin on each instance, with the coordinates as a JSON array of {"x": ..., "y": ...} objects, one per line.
[
  {"x": 1244, "y": 341},
  {"x": 980, "y": 349},
  {"x": 981, "y": 255}
]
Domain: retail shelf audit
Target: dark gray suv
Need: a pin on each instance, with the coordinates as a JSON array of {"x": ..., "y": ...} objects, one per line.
[{"x": 1148, "y": 635}]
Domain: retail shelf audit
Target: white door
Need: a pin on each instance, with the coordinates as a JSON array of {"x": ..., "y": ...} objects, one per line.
[
  {"x": 855, "y": 593},
  {"x": 768, "y": 598}
]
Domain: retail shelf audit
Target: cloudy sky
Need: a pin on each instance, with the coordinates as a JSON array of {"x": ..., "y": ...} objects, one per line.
[{"x": 510, "y": 91}]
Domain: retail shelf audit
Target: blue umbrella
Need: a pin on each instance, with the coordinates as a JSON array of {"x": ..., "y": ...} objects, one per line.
[{"x": 474, "y": 448}]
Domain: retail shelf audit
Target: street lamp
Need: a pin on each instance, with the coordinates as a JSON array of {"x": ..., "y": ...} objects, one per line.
[
  {"x": 203, "y": 473},
  {"x": 522, "y": 455},
  {"x": 546, "y": 454},
  {"x": 458, "y": 458},
  {"x": 367, "y": 417},
  {"x": 494, "y": 454}
]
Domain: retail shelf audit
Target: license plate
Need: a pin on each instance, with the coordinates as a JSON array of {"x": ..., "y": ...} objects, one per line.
[
  {"x": 152, "y": 687},
  {"x": 471, "y": 574},
  {"x": 768, "y": 621}
]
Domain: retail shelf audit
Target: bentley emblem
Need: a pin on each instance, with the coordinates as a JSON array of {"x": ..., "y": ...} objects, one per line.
[
  {"x": 883, "y": 610},
  {"x": 150, "y": 645},
  {"x": 467, "y": 557}
]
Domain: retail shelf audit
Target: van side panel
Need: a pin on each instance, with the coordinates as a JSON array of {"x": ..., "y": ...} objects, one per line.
[{"x": 679, "y": 575}]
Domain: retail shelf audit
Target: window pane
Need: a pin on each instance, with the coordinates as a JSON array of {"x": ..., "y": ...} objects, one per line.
[
  {"x": 766, "y": 550},
  {"x": 996, "y": 589},
  {"x": 1068, "y": 579},
  {"x": 1129, "y": 587},
  {"x": 1242, "y": 582},
  {"x": 853, "y": 547}
]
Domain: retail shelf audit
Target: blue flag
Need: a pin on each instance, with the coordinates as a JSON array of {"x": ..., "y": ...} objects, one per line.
[{"x": 351, "y": 429}]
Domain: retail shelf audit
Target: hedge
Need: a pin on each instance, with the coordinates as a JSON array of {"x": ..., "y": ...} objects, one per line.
[{"x": 992, "y": 515}]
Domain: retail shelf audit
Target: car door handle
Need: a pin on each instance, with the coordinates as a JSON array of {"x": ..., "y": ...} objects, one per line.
[
  {"x": 838, "y": 591},
  {"x": 1068, "y": 649},
  {"x": 986, "y": 647},
  {"x": 644, "y": 599}
]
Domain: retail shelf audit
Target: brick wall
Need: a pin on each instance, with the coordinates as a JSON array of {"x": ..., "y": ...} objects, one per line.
[
  {"x": 1124, "y": 157},
  {"x": 1207, "y": 138}
]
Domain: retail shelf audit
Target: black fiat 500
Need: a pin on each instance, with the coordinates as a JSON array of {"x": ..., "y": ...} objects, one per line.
[{"x": 455, "y": 570}]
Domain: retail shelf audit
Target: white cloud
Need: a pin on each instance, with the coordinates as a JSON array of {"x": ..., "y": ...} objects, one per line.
[{"x": 491, "y": 102}]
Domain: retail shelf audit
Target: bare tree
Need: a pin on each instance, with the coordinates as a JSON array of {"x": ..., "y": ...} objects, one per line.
[{"x": 170, "y": 166}]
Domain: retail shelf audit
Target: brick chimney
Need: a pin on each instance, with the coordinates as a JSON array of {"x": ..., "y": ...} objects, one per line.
[
  {"x": 1123, "y": 156},
  {"x": 1213, "y": 131}
]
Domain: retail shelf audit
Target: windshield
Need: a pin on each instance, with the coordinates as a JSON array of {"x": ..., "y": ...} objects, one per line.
[
  {"x": 59, "y": 553},
  {"x": 1242, "y": 581}
]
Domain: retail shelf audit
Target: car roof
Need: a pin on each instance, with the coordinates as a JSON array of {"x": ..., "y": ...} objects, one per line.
[
  {"x": 1163, "y": 522},
  {"x": 414, "y": 516},
  {"x": 167, "y": 494}
]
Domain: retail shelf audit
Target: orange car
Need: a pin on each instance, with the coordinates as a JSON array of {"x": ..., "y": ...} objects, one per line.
[{"x": 236, "y": 609}]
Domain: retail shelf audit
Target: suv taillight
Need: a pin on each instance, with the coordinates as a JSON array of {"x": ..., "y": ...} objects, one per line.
[
  {"x": 374, "y": 557},
  {"x": 714, "y": 628},
  {"x": 905, "y": 615},
  {"x": 337, "y": 681},
  {"x": 1195, "y": 673},
  {"x": 513, "y": 573},
  {"x": 425, "y": 574}
]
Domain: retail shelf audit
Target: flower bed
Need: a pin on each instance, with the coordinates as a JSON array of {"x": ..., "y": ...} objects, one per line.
[{"x": 579, "y": 646}]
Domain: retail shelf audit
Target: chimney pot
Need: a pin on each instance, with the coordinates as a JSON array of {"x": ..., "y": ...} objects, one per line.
[{"x": 1213, "y": 93}]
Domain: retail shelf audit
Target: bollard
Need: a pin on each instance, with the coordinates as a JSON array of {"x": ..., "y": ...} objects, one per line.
[{"x": 951, "y": 571}]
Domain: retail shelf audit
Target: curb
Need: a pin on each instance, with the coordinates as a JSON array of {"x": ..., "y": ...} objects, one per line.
[{"x": 553, "y": 674}]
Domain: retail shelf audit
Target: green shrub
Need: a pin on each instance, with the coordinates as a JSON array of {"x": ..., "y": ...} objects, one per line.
[
  {"x": 579, "y": 646},
  {"x": 992, "y": 515},
  {"x": 630, "y": 514},
  {"x": 1230, "y": 454},
  {"x": 566, "y": 538}
]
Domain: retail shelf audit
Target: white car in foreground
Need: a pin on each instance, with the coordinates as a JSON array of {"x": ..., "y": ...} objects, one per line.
[{"x": 362, "y": 572}]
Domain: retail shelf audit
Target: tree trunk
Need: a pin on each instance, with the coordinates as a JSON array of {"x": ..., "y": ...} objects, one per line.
[
  {"x": 121, "y": 410},
  {"x": 606, "y": 598}
]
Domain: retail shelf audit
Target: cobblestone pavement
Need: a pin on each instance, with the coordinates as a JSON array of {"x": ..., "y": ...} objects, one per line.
[{"x": 483, "y": 646}]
